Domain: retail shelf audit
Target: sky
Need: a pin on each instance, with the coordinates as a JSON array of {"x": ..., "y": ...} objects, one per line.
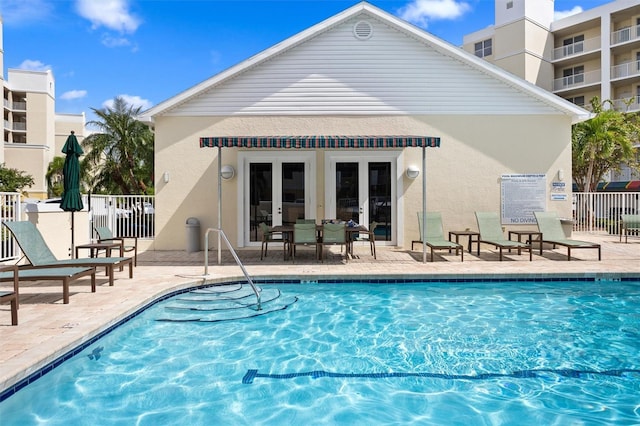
[{"x": 148, "y": 51}]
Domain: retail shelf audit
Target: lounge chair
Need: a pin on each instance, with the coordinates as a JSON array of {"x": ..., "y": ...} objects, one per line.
[
  {"x": 38, "y": 253},
  {"x": 551, "y": 227},
  {"x": 11, "y": 296},
  {"x": 491, "y": 233},
  {"x": 629, "y": 222},
  {"x": 434, "y": 237},
  {"x": 127, "y": 244}
]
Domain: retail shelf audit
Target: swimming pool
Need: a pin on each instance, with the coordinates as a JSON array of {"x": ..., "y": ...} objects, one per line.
[{"x": 488, "y": 352}]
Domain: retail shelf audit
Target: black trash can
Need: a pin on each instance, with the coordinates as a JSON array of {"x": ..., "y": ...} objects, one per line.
[{"x": 193, "y": 235}]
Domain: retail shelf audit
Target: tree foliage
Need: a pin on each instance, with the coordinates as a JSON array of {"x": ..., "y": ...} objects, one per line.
[
  {"x": 119, "y": 156},
  {"x": 602, "y": 144},
  {"x": 14, "y": 180},
  {"x": 55, "y": 183}
]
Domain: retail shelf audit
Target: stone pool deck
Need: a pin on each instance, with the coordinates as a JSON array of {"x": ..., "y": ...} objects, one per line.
[{"x": 48, "y": 329}]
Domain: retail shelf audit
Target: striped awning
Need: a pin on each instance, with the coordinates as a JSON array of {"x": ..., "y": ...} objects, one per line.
[{"x": 319, "y": 141}]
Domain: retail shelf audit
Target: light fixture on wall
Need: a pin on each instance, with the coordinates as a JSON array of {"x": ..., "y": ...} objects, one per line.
[
  {"x": 227, "y": 172},
  {"x": 165, "y": 177},
  {"x": 413, "y": 172},
  {"x": 560, "y": 174}
]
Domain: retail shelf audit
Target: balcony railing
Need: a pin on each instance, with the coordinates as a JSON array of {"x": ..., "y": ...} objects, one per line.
[
  {"x": 576, "y": 80},
  {"x": 19, "y": 126},
  {"x": 626, "y": 34},
  {"x": 627, "y": 104},
  {"x": 628, "y": 69},
  {"x": 579, "y": 48}
]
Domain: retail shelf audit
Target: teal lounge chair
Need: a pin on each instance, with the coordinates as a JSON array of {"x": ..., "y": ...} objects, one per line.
[
  {"x": 491, "y": 233},
  {"x": 39, "y": 255},
  {"x": 55, "y": 273},
  {"x": 551, "y": 227},
  {"x": 127, "y": 244},
  {"x": 434, "y": 237}
]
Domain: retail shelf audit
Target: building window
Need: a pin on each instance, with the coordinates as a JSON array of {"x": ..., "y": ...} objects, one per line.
[
  {"x": 483, "y": 48},
  {"x": 573, "y": 45},
  {"x": 509, "y": 4},
  {"x": 578, "y": 100},
  {"x": 573, "y": 75}
]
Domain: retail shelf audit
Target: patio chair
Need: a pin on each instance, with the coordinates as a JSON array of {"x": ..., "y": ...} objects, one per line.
[
  {"x": 65, "y": 274},
  {"x": 368, "y": 236},
  {"x": 491, "y": 233},
  {"x": 269, "y": 236},
  {"x": 434, "y": 237},
  {"x": 38, "y": 253},
  {"x": 629, "y": 222},
  {"x": 551, "y": 227},
  {"x": 306, "y": 221},
  {"x": 304, "y": 234},
  {"x": 334, "y": 234},
  {"x": 127, "y": 244},
  {"x": 11, "y": 296}
]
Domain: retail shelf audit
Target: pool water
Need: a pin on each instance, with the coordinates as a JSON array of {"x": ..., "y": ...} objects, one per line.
[{"x": 362, "y": 353}]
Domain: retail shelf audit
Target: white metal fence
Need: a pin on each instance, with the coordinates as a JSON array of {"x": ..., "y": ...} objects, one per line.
[
  {"x": 10, "y": 209},
  {"x": 600, "y": 211},
  {"x": 125, "y": 215}
]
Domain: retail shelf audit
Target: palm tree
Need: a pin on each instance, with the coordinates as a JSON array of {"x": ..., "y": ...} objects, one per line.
[
  {"x": 55, "y": 186},
  {"x": 119, "y": 156},
  {"x": 601, "y": 144}
]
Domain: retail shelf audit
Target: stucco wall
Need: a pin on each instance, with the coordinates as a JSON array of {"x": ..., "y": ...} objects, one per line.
[{"x": 463, "y": 174}]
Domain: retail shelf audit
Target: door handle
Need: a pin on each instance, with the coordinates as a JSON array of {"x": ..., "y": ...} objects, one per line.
[{"x": 279, "y": 210}]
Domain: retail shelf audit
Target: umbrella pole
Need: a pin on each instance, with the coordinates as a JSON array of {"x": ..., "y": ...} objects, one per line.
[{"x": 72, "y": 236}]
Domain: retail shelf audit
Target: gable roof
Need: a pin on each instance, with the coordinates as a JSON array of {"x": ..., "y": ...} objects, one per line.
[{"x": 209, "y": 98}]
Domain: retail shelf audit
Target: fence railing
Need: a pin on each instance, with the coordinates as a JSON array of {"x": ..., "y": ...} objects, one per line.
[
  {"x": 600, "y": 211},
  {"x": 10, "y": 209},
  {"x": 125, "y": 215}
]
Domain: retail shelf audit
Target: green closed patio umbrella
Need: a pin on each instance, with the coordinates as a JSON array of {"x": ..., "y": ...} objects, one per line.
[{"x": 71, "y": 198}]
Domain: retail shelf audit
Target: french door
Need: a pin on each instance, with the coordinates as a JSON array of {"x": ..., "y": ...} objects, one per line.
[
  {"x": 362, "y": 188},
  {"x": 277, "y": 190}
]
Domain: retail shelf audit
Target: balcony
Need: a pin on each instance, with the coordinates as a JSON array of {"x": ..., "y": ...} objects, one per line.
[
  {"x": 577, "y": 49},
  {"x": 15, "y": 106},
  {"x": 628, "y": 69},
  {"x": 627, "y": 104},
  {"x": 576, "y": 81},
  {"x": 625, "y": 35}
]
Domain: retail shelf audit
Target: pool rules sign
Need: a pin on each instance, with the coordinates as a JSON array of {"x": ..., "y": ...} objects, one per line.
[{"x": 520, "y": 196}]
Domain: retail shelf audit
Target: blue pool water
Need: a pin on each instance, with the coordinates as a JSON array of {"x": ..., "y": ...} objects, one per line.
[{"x": 358, "y": 353}]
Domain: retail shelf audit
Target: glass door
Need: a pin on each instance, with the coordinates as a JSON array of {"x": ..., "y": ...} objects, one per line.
[
  {"x": 276, "y": 192},
  {"x": 364, "y": 191}
]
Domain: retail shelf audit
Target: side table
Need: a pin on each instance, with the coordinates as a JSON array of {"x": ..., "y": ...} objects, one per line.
[
  {"x": 473, "y": 236},
  {"x": 530, "y": 234},
  {"x": 94, "y": 248}
]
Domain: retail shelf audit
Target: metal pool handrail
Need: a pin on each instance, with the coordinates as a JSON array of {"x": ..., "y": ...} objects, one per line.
[{"x": 235, "y": 256}]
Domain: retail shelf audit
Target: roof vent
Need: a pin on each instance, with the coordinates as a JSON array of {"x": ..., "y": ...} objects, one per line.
[{"x": 362, "y": 30}]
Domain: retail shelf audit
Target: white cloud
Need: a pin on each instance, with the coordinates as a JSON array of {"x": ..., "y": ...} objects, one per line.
[
  {"x": 110, "y": 41},
  {"x": 134, "y": 101},
  {"x": 564, "y": 13},
  {"x": 15, "y": 12},
  {"x": 73, "y": 94},
  {"x": 31, "y": 65},
  {"x": 112, "y": 14},
  {"x": 420, "y": 12}
]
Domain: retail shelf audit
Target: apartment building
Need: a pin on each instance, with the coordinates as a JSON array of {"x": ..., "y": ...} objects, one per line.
[
  {"x": 593, "y": 53},
  {"x": 33, "y": 132}
]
